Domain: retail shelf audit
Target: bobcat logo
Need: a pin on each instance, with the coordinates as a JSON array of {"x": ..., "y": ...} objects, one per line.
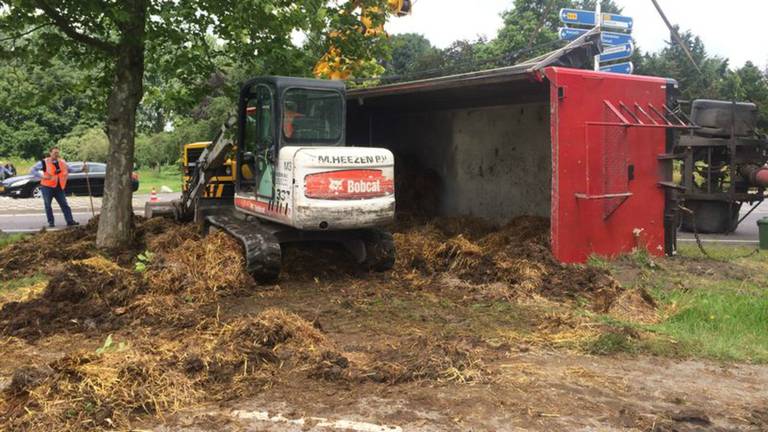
[{"x": 336, "y": 185}]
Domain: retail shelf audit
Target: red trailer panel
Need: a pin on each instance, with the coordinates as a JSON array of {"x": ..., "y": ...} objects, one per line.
[{"x": 608, "y": 131}]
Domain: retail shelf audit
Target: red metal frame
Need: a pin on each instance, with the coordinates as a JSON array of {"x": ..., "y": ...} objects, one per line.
[{"x": 605, "y": 169}]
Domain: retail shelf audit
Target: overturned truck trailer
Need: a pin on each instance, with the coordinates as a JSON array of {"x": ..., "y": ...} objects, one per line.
[{"x": 591, "y": 151}]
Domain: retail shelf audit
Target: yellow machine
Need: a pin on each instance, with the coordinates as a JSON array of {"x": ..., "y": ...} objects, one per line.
[
  {"x": 222, "y": 184},
  {"x": 334, "y": 65}
]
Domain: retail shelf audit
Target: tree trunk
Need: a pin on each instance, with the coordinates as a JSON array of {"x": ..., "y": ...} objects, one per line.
[{"x": 115, "y": 223}]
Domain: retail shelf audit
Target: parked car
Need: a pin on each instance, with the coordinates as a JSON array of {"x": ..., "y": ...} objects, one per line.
[{"x": 25, "y": 186}]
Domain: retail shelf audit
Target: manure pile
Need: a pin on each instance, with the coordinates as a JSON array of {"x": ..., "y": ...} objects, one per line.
[
  {"x": 172, "y": 348},
  {"x": 508, "y": 261}
]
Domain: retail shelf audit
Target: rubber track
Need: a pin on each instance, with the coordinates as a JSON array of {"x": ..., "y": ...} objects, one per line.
[{"x": 262, "y": 249}]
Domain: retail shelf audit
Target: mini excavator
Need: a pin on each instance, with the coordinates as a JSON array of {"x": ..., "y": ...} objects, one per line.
[{"x": 295, "y": 179}]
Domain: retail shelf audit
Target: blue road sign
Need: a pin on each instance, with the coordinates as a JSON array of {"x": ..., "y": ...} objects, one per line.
[
  {"x": 576, "y": 16},
  {"x": 617, "y": 52},
  {"x": 618, "y": 21},
  {"x": 622, "y": 68},
  {"x": 608, "y": 38},
  {"x": 587, "y": 18}
]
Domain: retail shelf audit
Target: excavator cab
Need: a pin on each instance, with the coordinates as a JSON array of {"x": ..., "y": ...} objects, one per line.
[{"x": 275, "y": 112}]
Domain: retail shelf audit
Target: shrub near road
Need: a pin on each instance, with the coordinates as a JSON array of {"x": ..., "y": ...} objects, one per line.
[{"x": 476, "y": 327}]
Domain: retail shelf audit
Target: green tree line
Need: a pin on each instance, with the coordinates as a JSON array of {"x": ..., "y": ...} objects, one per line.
[{"x": 55, "y": 102}]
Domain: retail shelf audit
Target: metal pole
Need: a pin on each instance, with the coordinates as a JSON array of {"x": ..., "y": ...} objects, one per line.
[
  {"x": 675, "y": 36},
  {"x": 598, "y": 24}
]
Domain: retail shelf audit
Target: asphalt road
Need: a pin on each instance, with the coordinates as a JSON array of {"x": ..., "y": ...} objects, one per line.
[
  {"x": 746, "y": 234},
  {"x": 27, "y": 215}
]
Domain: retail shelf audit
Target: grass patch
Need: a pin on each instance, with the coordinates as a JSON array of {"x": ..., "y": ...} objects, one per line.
[
  {"x": 169, "y": 175},
  {"x": 611, "y": 343},
  {"x": 726, "y": 253},
  {"x": 22, "y": 165},
  {"x": 8, "y": 239},
  {"x": 728, "y": 322},
  {"x": 713, "y": 308},
  {"x": 21, "y": 289}
]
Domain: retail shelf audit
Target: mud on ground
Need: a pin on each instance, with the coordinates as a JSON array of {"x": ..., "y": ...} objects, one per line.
[{"x": 476, "y": 320}]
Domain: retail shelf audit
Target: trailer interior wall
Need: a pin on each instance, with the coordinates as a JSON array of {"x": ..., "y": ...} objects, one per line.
[{"x": 489, "y": 145}]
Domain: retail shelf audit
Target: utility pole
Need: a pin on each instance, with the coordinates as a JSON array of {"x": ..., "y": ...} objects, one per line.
[{"x": 675, "y": 36}]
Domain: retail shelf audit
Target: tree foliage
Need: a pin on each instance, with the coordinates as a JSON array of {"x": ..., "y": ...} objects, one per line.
[
  {"x": 85, "y": 143},
  {"x": 168, "y": 40},
  {"x": 40, "y": 104},
  {"x": 531, "y": 26}
]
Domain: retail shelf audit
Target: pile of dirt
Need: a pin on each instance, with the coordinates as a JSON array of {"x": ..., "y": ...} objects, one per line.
[
  {"x": 163, "y": 373},
  {"x": 516, "y": 255},
  {"x": 178, "y": 349},
  {"x": 82, "y": 295},
  {"x": 88, "y": 292},
  {"x": 41, "y": 252},
  {"x": 417, "y": 188},
  {"x": 184, "y": 264}
]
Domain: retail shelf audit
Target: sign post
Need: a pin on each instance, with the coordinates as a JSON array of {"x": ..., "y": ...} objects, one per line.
[
  {"x": 598, "y": 21},
  {"x": 617, "y": 44}
]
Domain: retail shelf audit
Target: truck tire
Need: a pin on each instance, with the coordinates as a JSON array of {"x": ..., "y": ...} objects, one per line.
[
  {"x": 379, "y": 250},
  {"x": 714, "y": 118},
  {"x": 710, "y": 217}
]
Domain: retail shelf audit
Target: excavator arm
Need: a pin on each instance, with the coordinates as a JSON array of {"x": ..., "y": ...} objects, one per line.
[{"x": 212, "y": 157}]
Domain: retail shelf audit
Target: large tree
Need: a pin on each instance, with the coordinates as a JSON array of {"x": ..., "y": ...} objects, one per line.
[
  {"x": 121, "y": 37},
  {"x": 531, "y": 26},
  {"x": 704, "y": 81}
]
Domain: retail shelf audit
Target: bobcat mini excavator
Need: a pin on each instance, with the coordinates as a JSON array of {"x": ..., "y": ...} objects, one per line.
[{"x": 295, "y": 180}]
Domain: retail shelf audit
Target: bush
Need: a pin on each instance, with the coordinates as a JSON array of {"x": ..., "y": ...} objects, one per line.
[{"x": 85, "y": 143}]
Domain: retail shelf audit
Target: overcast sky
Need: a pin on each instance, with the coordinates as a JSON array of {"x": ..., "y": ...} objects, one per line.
[{"x": 736, "y": 33}]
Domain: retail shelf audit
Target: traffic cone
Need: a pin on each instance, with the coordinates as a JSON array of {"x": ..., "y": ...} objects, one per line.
[{"x": 153, "y": 196}]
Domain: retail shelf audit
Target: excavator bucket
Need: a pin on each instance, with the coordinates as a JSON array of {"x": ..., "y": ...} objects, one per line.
[{"x": 160, "y": 209}]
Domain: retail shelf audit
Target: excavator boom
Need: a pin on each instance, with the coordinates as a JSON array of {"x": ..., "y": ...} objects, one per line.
[{"x": 212, "y": 157}]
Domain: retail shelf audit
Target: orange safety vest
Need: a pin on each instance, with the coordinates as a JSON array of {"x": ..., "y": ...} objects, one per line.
[
  {"x": 50, "y": 170},
  {"x": 288, "y": 122}
]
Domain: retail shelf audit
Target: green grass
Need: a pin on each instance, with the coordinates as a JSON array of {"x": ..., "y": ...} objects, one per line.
[
  {"x": 715, "y": 309},
  {"x": 14, "y": 284},
  {"x": 7, "y": 239},
  {"x": 727, "y": 320},
  {"x": 169, "y": 175},
  {"x": 22, "y": 165}
]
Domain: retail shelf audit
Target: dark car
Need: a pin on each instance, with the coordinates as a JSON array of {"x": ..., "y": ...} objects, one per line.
[{"x": 26, "y": 186}]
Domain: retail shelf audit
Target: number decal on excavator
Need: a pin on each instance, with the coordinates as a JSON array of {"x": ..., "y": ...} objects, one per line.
[{"x": 282, "y": 194}]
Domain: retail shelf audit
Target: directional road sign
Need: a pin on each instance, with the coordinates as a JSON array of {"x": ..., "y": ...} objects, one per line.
[
  {"x": 587, "y": 18},
  {"x": 622, "y": 68},
  {"x": 617, "y": 52},
  {"x": 608, "y": 38}
]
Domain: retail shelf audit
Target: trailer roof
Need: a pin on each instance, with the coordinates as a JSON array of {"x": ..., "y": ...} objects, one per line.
[{"x": 575, "y": 54}]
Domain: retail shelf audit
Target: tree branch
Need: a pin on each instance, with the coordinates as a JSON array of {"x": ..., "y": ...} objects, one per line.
[
  {"x": 66, "y": 27},
  {"x": 20, "y": 35}
]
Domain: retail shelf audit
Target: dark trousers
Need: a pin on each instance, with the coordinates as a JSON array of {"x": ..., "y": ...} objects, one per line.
[{"x": 49, "y": 194}]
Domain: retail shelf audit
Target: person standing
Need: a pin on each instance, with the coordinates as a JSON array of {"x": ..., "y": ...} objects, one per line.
[{"x": 52, "y": 173}]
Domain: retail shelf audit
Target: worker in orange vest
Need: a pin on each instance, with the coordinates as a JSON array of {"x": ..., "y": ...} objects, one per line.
[{"x": 53, "y": 172}]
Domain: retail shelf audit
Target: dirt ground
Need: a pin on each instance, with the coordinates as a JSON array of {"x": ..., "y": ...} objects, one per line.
[{"x": 477, "y": 328}]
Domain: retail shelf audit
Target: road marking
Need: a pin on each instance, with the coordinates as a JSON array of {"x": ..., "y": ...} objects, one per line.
[{"x": 316, "y": 422}]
